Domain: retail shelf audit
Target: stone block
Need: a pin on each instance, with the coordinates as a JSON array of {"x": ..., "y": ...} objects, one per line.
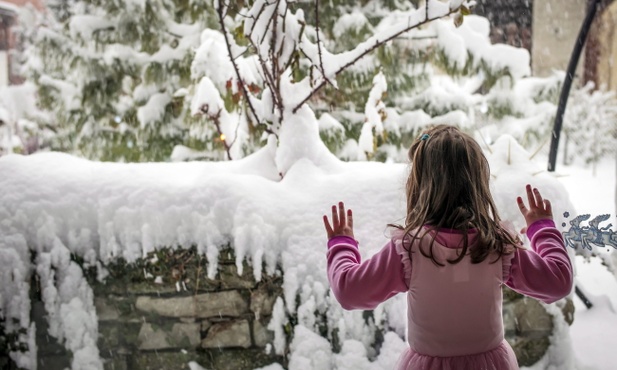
[
  {"x": 568, "y": 311},
  {"x": 228, "y": 334},
  {"x": 105, "y": 311},
  {"x": 116, "y": 308},
  {"x": 186, "y": 334},
  {"x": 240, "y": 359},
  {"x": 169, "y": 336},
  {"x": 510, "y": 295},
  {"x": 509, "y": 320},
  {"x": 264, "y": 297},
  {"x": 530, "y": 350},
  {"x": 216, "y": 304},
  {"x": 159, "y": 360},
  {"x": 115, "y": 363},
  {"x": 115, "y": 336},
  {"x": 531, "y": 319},
  {"x": 230, "y": 279},
  {"x": 152, "y": 338},
  {"x": 261, "y": 335}
]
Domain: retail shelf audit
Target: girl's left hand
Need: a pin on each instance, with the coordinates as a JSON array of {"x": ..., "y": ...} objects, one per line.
[{"x": 342, "y": 224}]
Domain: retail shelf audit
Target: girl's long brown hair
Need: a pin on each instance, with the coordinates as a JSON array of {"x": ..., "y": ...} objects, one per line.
[{"x": 448, "y": 187}]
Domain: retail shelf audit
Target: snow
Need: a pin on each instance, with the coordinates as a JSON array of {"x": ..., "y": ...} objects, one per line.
[
  {"x": 352, "y": 21},
  {"x": 57, "y": 204},
  {"x": 389, "y": 27},
  {"x": 153, "y": 110},
  {"x": 472, "y": 37},
  {"x": 207, "y": 99},
  {"x": 373, "y": 112},
  {"x": 595, "y": 329},
  {"x": 85, "y": 26},
  {"x": 327, "y": 122},
  {"x": 268, "y": 205}
]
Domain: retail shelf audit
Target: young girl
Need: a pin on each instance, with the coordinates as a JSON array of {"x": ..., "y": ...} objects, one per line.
[{"x": 451, "y": 257}]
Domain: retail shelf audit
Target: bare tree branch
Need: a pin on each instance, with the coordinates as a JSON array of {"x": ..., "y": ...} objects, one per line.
[
  {"x": 377, "y": 44},
  {"x": 323, "y": 72},
  {"x": 246, "y": 50},
  {"x": 233, "y": 62},
  {"x": 267, "y": 77},
  {"x": 217, "y": 123},
  {"x": 274, "y": 55},
  {"x": 261, "y": 11},
  {"x": 278, "y": 63}
]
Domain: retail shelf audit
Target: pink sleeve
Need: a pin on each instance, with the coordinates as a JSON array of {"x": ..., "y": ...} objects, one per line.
[
  {"x": 363, "y": 285},
  {"x": 544, "y": 273}
]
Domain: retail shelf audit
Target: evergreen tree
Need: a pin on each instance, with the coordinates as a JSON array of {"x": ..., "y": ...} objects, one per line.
[
  {"x": 112, "y": 74},
  {"x": 132, "y": 81}
]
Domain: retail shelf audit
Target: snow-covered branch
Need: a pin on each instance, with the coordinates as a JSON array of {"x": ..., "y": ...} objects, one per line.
[
  {"x": 220, "y": 9},
  {"x": 332, "y": 64}
]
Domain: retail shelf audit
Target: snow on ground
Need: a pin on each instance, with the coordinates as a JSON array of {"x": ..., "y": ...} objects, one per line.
[{"x": 594, "y": 331}]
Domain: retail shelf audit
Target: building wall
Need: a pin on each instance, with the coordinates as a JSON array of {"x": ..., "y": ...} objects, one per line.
[
  {"x": 8, "y": 17},
  {"x": 600, "y": 62},
  {"x": 555, "y": 26},
  {"x": 510, "y": 20},
  {"x": 38, "y": 4}
]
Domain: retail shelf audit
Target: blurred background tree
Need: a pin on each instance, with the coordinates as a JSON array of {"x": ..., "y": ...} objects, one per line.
[
  {"x": 118, "y": 79},
  {"x": 111, "y": 73}
]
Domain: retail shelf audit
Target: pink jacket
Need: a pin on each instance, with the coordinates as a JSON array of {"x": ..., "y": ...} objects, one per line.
[{"x": 544, "y": 272}]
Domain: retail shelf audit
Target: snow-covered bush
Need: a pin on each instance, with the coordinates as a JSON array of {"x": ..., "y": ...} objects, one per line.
[
  {"x": 590, "y": 125},
  {"x": 112, "y": 75}
]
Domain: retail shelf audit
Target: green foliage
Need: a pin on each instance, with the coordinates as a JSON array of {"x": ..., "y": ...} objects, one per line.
[{"x": 93, "y": 84}]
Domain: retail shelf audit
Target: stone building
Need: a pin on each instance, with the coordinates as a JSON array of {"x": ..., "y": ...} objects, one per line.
[
  {"x": 9, "y": 13},
  {"x": 601, "y": 47},
  {"x": 549, "y": 29}
]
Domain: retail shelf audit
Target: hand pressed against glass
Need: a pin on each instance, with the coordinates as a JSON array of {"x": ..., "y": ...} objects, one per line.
[
  {"x": 342, "y": 222},
  {"x": 539, "y": 209}
]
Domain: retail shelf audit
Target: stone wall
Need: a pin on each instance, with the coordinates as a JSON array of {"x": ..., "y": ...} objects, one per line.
[
  {"x": 528, "y": 325},
  {"x": 556, "y": 24},
  {"x": 163, "y": 312}
]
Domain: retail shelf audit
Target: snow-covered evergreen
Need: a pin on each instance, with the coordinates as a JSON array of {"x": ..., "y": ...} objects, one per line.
[{"x": 112, "y": 74}]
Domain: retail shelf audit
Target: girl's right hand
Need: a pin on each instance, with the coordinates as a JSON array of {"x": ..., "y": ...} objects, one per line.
[
  {"x": 539, "y": 209},
  {"x": 342, "y": 225}
]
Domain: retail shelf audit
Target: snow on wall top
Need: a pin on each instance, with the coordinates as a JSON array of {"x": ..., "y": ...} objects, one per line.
[{"x": 56, "y": 204}]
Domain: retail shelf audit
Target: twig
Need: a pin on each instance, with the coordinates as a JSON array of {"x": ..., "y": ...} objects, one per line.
[
  {"x": 267, "y": 77},
  {"x": 257, "y": 19},
  {"x": 276, "y": 74},
  {"x": 217, "y": 123},
  {"x": 377, "y": 44},
  {"x": 484, "y": 140},
  {"x": 539, "y": 148},
  {"x": 233, "y": 62},
  {"x": 323, "y": 71},
  {"x": 239, "y": 55}
]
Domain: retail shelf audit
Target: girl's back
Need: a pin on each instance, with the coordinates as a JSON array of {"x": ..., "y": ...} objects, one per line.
[
  {"x": 453, "y": 269},
  {"x": 453, "y": 309}
]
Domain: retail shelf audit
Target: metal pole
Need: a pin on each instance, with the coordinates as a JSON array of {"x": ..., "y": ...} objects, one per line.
[
  {"x": 567, "y": 84},
  {"x": 563, "y": 100}
]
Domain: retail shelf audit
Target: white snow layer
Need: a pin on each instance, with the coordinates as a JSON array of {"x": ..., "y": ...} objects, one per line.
[{"x": 56, "y": 204}]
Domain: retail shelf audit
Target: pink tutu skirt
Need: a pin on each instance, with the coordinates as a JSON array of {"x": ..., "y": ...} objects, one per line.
[{"x": 500, "y": 358}]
